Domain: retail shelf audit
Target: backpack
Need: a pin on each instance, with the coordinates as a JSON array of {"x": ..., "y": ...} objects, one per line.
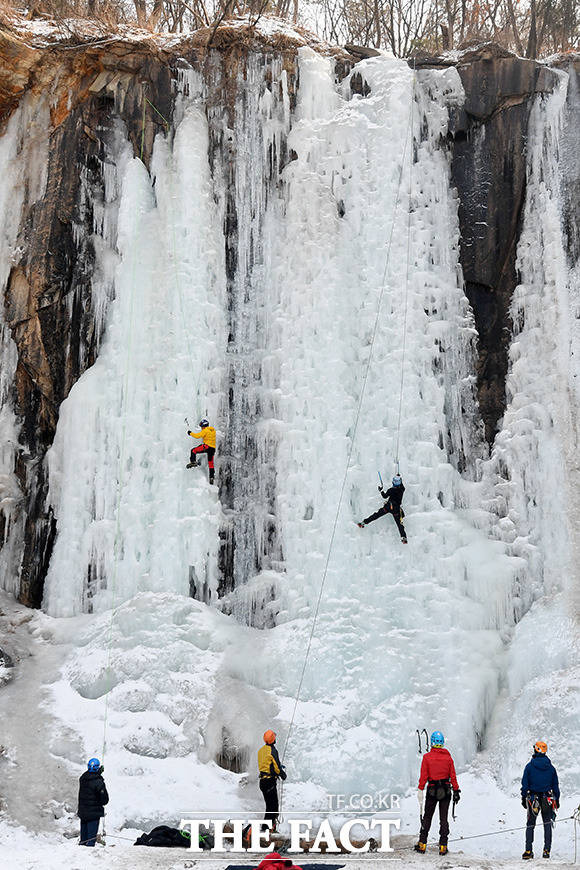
[{"x": 163, "y": 835}]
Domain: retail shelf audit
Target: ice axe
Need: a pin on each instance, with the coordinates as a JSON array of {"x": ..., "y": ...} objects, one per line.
[
  {"x": 420, "y": 739},
  {"x": 381, "y": 480}
]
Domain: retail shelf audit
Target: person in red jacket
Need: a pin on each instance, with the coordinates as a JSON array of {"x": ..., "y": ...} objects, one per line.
[
  {"x": 275, "y": 861},
  {"x": 438, "y": 774}
]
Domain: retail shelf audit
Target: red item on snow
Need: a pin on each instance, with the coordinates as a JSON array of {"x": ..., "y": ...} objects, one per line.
[
  {"x": 275, "y": 861},
  {"x": 437, "y": 765}
]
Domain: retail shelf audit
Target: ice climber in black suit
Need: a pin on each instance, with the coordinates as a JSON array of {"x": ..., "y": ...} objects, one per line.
[{"x": 393, "y": 498}]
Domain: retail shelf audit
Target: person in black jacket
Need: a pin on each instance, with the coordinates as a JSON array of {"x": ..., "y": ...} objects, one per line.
[
  {"x": 393, "y": 498},
  {"x": 92, "y": 799}
]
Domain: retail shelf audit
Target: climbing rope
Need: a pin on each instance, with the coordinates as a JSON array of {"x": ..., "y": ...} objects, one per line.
[
  {"x": 354, "y": 431},
  {"x": 120, "y": 475},
  {"x": 172, "y": 222},
  {"x": 478, "y": 836},
  {"x": 409, "y": 848},
  {"x": 184, "y": 320},
  {"x": 406, "y": 281},
  {"x": 121, "y": 465}
]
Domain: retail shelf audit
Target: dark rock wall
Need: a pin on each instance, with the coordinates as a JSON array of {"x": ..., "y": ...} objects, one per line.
[
  {"x": 48, "y": 298},
  {"x": 489, "y": 172}
]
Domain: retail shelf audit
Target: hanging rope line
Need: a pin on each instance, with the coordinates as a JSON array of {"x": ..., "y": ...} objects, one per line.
[
  {"x": 406, "y": 284},
  {"x": 121, "y": 465},
  {"x": 356, "y": 422},
  {"x": 479, "y": 836},
  {"x": 172, "y": 223},
  {"x": 410, "y": 848},
  {"x": 124, "y": 403},
  {"x": 142, "y": 133},
  {"x": 184, "y": 320}
]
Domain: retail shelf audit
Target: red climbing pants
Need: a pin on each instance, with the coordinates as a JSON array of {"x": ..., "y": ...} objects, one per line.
[{"x": 204, "y": 448}]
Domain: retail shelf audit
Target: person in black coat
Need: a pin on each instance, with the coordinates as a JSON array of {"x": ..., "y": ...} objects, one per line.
[
  {"x": 393, "y": 498},
  {"x": 92, "y": 799}
]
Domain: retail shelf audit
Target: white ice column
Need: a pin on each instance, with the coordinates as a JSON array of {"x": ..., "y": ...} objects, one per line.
[{"x": 130, "y": 517}]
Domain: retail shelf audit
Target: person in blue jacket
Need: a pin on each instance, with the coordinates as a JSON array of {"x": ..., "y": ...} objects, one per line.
[{"x": 540, "y": 793}]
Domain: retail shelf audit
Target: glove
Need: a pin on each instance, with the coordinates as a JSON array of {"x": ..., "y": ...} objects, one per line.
[
  {"x": 524, "y": 802},
  {"x": 456, "y": 795},
  {"x": 189, "y": 433},
  {"x": 420, "y": 796},
  {"x": 283, "y": 773},
  {"x": 380, "y": 488},
  {"x": 557, "y": 803}
]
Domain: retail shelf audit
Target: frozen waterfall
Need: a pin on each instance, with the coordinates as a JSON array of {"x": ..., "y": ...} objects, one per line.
[{"x": 248, "y": 266}]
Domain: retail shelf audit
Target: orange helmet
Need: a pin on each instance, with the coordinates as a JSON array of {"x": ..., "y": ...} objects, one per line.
[
  {"x": 269, "y": 736},
  {"x": 541, "y": 747}
]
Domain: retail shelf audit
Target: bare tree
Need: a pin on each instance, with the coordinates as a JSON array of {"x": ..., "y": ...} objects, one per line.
[{"x": 530, "y": 27}]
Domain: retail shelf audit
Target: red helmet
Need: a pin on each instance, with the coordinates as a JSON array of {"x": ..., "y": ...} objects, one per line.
[{"x": 269, "y": 736}]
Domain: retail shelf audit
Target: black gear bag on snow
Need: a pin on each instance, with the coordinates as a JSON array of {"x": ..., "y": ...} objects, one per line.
[{"x": 163, "y": 835}]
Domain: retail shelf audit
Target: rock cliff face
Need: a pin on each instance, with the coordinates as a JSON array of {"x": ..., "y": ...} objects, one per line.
[
  {"x": 570, "y": 157},
  {"x": 48, "y": 295},
  {"x": 55, "y": 324},
  {"x": 489, "y": 171}
]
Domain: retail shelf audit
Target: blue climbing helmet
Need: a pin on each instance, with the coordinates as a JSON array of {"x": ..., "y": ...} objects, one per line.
[
  {"x": 203, "y": 423},
  {"x": 94, "y": 764},
  {"x": 397, "y": 480},
  {"x": 437, "y": 739}
]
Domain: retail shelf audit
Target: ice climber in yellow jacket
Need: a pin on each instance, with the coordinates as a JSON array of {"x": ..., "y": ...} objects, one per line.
[
  {"x": 270, "y": 768},
  {"x": 207, "y": 435}
]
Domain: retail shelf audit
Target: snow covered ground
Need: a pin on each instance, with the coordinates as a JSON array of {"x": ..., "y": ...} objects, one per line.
[
  {"x": 118, "y": 858},
  {"x": 40, "y": 769},
  {"x": 471, "y": 628},
  {"x": 47, "y": 857}
]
